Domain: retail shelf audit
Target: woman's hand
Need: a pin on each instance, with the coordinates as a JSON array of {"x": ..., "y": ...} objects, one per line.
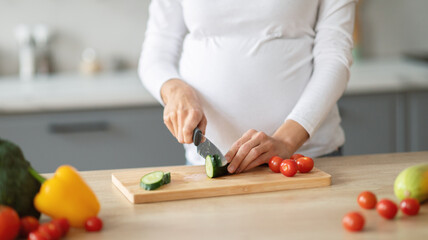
[
  {"x": 255, "y": 148},
  {"x": 183, "y": 111}
]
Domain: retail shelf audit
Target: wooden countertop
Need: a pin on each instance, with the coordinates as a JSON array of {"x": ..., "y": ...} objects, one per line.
[{"x": 293, "y": 214}]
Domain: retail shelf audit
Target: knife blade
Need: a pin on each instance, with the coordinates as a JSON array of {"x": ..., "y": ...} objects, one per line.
[{"x": 205, "y": 148}]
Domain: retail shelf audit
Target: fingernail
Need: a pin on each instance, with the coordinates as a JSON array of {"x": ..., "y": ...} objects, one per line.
[{"x": 231, "y": 169}]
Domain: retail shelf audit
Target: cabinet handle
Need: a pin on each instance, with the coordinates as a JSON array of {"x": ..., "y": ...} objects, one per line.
[{"x": 78, "y": 127}]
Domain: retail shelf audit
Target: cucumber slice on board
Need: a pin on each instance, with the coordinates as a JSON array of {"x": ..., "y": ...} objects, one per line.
[
  {"x": 154, "y": 180},
  {"x": 214, "y": 168}
]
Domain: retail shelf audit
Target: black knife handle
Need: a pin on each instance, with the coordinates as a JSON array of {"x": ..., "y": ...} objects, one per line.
[{"x": 197, "y": 136}]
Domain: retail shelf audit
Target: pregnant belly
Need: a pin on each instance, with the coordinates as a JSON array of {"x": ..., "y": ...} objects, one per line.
[{"x": 251, "y": 83}]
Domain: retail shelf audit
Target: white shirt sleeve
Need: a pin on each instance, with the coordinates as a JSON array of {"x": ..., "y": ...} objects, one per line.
[
  {"x": 162, "y": 45},
  {"x": 332, "y": 60}
]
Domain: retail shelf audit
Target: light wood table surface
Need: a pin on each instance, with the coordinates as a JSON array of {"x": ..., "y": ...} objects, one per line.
[{"x": 292, "y": 214}]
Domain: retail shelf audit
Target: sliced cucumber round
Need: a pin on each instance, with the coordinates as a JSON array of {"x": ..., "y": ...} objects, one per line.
[
  {"x": 213, "y": 166},
  {"x": 154, "y": 180}
]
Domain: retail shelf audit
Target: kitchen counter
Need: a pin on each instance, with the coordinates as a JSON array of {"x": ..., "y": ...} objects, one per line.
[
  {"x": 69, "y": 91},
  {"x": 292, "y": 214},
  {"x": 386, "y": 76}
]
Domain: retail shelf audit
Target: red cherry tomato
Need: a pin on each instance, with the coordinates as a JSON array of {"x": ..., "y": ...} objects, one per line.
[
  {"x": 305, "y": 164},
  {"x": 296, "y": 156},
  {"x": 274, "y": 163},
  {"x": 387, "y": 208},
  {"x": 353, "y": 222},
  {"x": 9, "y": 223},
  {"x": 93, "y": 224},
  {"x": 288, "y": 167},
  {"x": 367, "y": 200},
  {"x": 28, "y": 224},
  {"x": 63, "y": 224},
  {"x": 52, "y": 230},
  {"x": 409, "y": 206},
  {"x": 36, "y": 235}
]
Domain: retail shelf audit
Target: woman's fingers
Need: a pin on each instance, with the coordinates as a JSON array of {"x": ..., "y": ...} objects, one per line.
[
  {"x": 263, "y": 158},
  {"x": 235, "y": 147},
  {"x": 193, "y": 119},
  {"x": 188, "y": 133},
  {"x": 251, "y": 157},
  {"x": 168, "y": 124},
  {"x": 262, "y": 145},
  {"x": 169, "y": 119},
  {"x": 202, "y": 124},
  {"x": 253, "y": 149},
  {"x": 180, "y": 124},
  {"x": 242, "y": 152}
]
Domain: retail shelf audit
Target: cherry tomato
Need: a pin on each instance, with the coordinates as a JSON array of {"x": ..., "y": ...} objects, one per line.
[
  {"x": 367, "y": 200},
  {"x": 51, "y": 230},
  {"x": 9, "y": 223},
  {"x": 288, "y": 167},
  {"x": 409, "y": 206},
  {"x": 353, "y": 222},
  {"x": 63, "y": 224},
  {"x": 387, "y": 208},
  {"x": 296, "y": 156},
  {"x": 305, "y": 164},
  {"x": 28, "y": 224},
  {"x": 36, "y": 235},
  {"x": 93, "y": 224},
  {"x": 274, "y": 163}
]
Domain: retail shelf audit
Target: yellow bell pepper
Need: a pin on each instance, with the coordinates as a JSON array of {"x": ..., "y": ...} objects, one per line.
[{"x": 66, "y": 195}]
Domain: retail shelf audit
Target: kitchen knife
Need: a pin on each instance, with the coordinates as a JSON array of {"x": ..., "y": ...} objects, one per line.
[{"x": 206, "y": 147}]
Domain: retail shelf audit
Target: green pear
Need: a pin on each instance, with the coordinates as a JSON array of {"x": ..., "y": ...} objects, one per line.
[{"x": 412, "y": 182}]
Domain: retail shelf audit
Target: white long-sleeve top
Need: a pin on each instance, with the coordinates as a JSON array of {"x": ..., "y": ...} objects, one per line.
[{"x": 254, "y": 64}]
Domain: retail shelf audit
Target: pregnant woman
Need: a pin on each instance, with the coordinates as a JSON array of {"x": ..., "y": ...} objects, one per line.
[{"x": 260, "y": 78}]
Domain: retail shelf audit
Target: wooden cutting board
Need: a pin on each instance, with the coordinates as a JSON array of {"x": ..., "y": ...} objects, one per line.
[{"x": 192, "y": 182}]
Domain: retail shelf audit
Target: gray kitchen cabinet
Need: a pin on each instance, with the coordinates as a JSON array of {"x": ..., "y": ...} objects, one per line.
[
  {"x": 90, "y": 140},
  {"x": 372, "y": 123},
  {"x": 417, "y": 124}
]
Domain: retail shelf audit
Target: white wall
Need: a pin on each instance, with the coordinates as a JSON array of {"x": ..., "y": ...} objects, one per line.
[
  {"x": 392, "y": 27},
  {"x": 115, "y": 28}
]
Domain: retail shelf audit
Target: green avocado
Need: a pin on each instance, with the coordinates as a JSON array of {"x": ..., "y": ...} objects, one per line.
[
  {"x": 17, "y": 186},
  {"x": 412, "y": 182}
]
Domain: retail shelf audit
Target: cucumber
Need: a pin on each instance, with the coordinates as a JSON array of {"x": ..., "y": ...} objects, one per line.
[
  {"x": 213, "y": 166},
  {"x": 154, "y": 180},
  {"x": 166, "y": 178}
]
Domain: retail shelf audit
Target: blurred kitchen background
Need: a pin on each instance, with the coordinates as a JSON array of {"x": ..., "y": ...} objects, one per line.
[{"x": 69, "y": 90}]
